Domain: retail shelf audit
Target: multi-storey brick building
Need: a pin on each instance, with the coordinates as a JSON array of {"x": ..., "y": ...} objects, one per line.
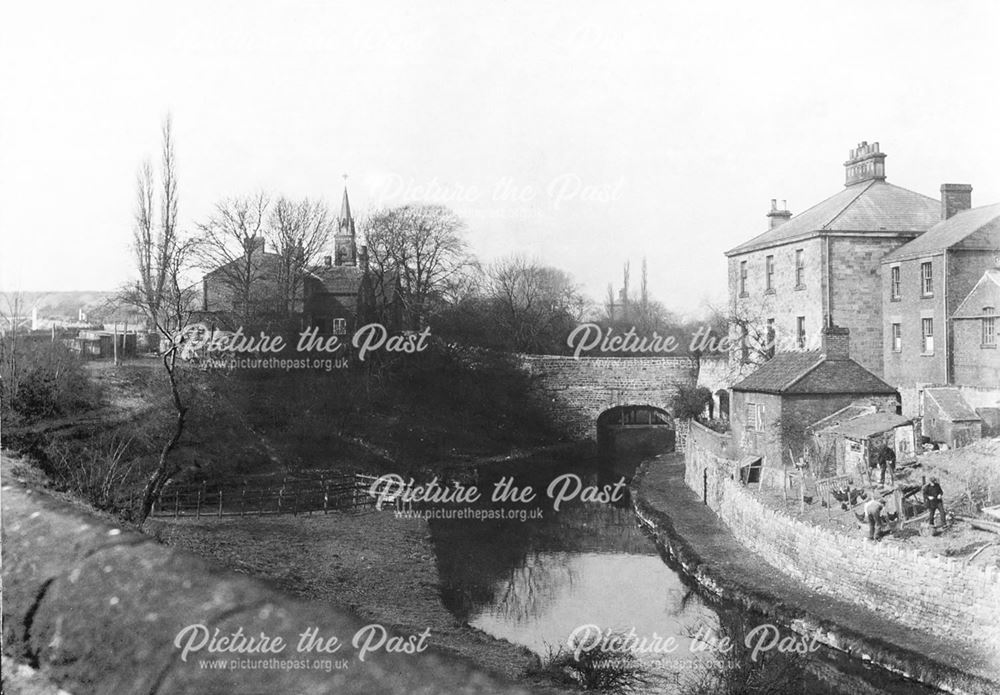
[
  {"x": 923, "y": 284},
  {"x": 823, "y": 264}
]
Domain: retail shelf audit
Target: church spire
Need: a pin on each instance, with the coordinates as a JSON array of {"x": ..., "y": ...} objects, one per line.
[{"x": 345, "y": 245}]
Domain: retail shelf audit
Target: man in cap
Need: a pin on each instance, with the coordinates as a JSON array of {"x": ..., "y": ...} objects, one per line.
[{"x": 934, "y": 499}]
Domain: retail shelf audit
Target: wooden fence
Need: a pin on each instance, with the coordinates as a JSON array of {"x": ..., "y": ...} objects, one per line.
[{"x": 264, "y": 496}]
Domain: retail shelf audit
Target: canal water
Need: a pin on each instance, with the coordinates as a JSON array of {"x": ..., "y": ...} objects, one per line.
[{"x": 589, "y": 570}]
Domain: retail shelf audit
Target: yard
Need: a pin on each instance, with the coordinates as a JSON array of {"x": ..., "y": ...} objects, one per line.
[{"x": 970, "y": 478}]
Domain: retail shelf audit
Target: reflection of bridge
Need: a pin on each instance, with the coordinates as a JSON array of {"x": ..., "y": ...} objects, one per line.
[{"x": 578, "y": 391}]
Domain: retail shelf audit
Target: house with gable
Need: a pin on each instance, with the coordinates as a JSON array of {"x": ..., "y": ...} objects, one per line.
[
  {"x": 824, "y": 262},
  {"x": 773, "y": 407}
]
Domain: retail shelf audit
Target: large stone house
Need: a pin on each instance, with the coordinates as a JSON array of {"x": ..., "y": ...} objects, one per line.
[
  {"x": 823, "y": 264},
  {"x": 933, "y": 322},
  {"x": 773, "y": 407}
]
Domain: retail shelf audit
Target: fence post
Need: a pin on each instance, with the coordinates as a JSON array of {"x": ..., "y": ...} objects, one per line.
[
  {"x": 201, "y": 491},
  {"x": 220, "y": 501},
  {"x": 177, "y": 501},
  {"x": 243, "y": 498},
  {"x": 260, "y": 506},
  {"x": 281, "y": 493},
  {"x": 326, "y": 495}
]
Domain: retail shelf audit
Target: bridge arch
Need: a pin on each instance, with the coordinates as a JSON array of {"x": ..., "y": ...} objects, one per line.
[{"x": 635, "y": 429}]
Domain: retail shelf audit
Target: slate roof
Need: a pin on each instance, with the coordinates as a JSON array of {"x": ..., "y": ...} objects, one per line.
[
  {"x": 867, "y": 425},
  {"x": 953, "y": 405},
  {"x": 869, "y": 206},
  {"x": 846, "y": 413},
  {"x": 812, "y": 372},
  {"x": 982, "y": 222},
  {"x": 985, "y": 293}
]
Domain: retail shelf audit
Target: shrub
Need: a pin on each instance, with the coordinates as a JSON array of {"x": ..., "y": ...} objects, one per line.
[{"x": 42, "y": 379}]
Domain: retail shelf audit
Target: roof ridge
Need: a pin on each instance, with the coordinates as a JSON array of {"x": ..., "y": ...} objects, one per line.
[{"x": 849, "y": 204}]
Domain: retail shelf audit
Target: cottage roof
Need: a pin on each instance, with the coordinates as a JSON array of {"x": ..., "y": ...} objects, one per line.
[
  {"x": 952, "y": 404},
  {"x": 985, "y": 293},
  {"x": 867, "y": 425},
  {"x": 978, "y": 228},
  {"x": 871, "y": 206},
  {"x": 812, "y": 372}
]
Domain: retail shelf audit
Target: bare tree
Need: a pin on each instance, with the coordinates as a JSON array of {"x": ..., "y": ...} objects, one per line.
[
  {"x": 299, "y": 232},
  {"x": 231, "y": 248},
  {"x": 161, "y": 259},
  {"x": 414, "y": 252},
  {"x": 536, "y": 306}
]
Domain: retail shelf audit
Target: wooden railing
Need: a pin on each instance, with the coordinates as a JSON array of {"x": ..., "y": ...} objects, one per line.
[{"x": 265, "y": 496}]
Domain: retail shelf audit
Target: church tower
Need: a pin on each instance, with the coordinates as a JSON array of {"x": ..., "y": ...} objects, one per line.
[{"x": 344, "y": 242}]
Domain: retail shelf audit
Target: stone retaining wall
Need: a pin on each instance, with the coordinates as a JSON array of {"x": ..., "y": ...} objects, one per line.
[{"x": 929, "y": 592}]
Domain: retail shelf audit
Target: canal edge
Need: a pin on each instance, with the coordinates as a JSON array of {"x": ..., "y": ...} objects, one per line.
[{"x": 892, "y": 658}]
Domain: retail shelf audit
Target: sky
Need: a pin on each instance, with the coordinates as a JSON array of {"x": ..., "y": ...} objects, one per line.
[{"x": 584, "y": 134}]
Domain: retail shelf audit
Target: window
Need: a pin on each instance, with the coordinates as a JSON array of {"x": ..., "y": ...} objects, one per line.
[
  {"x": 800, "y": 269},
  {"x": 339, "y": 326},
  {"x": 894, "y": 283},
  {"x": 753, "y": 416},
  {"x": 989, "y": 327},
  {"x": 800, "y": 331},
  {"x": 743, "y": 278},
  {"x": 769, "y": 273},
  {"x": 927, "y": 329},
  {"x": 771, "y": 339},
  {"x": 926, "y": 279},
  {"x": 897, "y": 337}
]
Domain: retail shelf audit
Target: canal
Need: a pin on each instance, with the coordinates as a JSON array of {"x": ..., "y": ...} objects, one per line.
[{"x": 587, "y": 576}]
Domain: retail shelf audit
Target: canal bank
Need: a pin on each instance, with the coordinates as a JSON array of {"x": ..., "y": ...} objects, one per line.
[{"x": 693, "y": 536}]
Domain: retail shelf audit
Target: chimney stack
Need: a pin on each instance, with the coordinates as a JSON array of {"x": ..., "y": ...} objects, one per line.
[
  {"x": 864, "y": 163},
  {"x": 955, "y": 197},
  {"x": 776, "y": 217},
  {"x": 836, "y": 342}
]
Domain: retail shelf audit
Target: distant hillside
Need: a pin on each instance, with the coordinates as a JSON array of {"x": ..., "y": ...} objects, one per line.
[{"x": 67, "y": 305}]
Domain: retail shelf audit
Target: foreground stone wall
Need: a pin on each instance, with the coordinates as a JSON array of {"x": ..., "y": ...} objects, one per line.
[
  {"x": 577, "y": 391},
  {"x": 96, "y": 610},
  {"x": 940, "y": 595}
]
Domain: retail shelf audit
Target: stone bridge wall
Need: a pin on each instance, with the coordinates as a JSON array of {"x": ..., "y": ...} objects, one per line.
[{"x": 577, "y": 391}]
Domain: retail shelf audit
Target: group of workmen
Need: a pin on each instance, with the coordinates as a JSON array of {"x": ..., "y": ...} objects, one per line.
[{"x": 885, "y": 460}]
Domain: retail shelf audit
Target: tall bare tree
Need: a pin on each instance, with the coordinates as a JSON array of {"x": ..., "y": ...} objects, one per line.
[
  {"x": 162, "y": 257},
  {"x": 298, "y": 231},
  {"x": 415, "y": 251},
  {"x": 535, "y": 306},
  {"x": 231, "y": 245}
]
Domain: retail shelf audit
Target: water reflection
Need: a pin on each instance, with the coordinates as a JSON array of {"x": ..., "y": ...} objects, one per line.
[{"x": 535, "y": 582}]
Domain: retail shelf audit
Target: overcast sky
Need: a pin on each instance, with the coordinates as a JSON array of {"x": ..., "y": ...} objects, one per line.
[{"x": 583, "y": 133}]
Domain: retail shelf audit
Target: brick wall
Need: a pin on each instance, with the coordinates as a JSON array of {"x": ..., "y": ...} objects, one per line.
[
  {"x": 931, "y": 593},
  {"x": 577, "y": 391}
]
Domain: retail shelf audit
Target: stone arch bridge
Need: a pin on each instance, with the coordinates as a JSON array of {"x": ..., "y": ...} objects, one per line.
[{"x": 578, "y": 390}]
